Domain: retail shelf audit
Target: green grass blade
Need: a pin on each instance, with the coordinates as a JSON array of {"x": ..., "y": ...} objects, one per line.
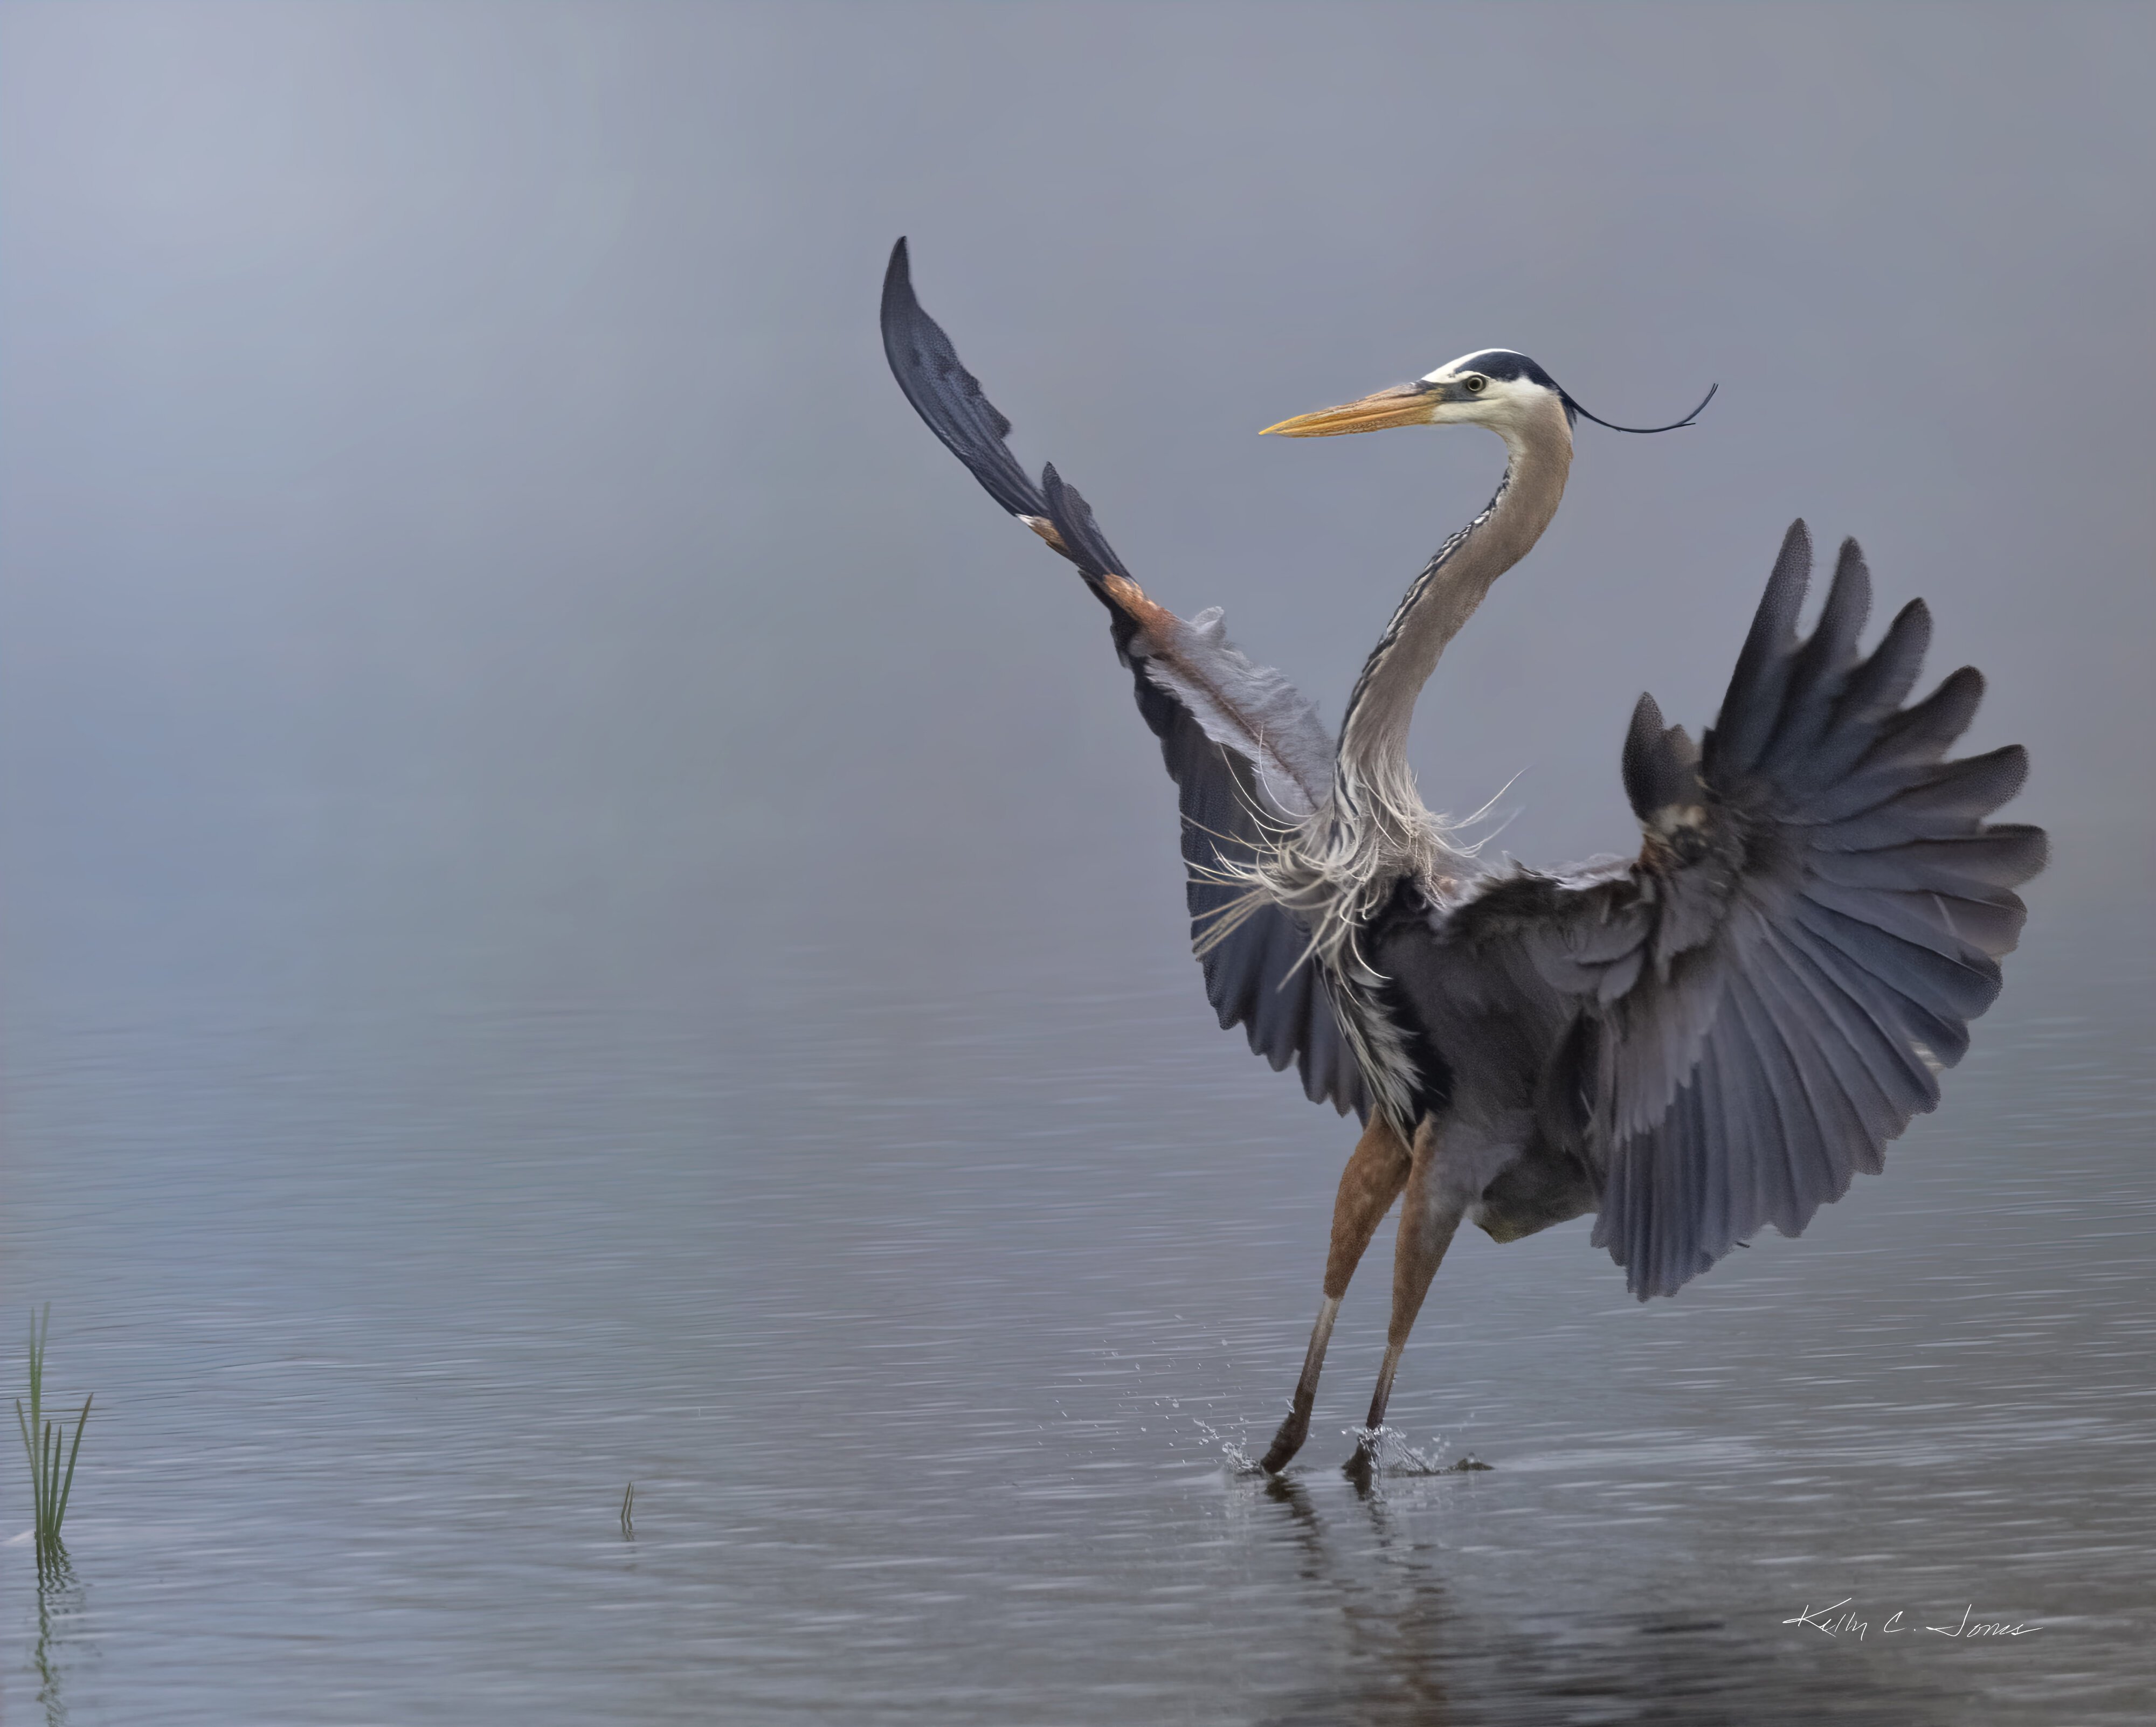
[
  {"x": 46, "y": 1484},
  {"x": 67, "y": 1486},
  {"x": 30, "y": 1452},
  {"x": 52, "y": 1476},
  {"x": 38, "y": 1367}
]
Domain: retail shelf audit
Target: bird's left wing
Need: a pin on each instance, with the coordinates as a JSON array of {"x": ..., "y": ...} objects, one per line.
[
  {"x": 1761, "y": 1000},
  {"x": 1248, "y": 752}
]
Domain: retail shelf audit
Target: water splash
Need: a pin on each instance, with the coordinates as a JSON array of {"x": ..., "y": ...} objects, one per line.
[
  {"x": 1392, "y": 1454},
  {"x": 1239, "y": 1462}
]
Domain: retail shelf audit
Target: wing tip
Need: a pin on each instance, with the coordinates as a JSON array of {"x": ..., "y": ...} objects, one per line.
[
  {"x": 2033, "y": 852},
  {"x": 1639, "y": 763},
  {"x": 899, "y": 299},
  {"x": 1851, "y": 595},
  {"x": 1660, "y": 765},
  {"x": 1794, "y": 561}
]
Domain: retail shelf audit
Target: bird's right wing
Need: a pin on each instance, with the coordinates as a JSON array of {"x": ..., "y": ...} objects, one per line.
[
  {"x": 1760, "y": 1002},
  {"x": 1248, "y": 753}
]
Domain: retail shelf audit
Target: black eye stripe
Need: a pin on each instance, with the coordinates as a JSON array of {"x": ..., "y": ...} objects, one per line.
[{"x": 1505, "y": 366}]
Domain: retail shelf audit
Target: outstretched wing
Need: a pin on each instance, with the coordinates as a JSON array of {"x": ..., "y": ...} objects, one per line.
[
  {"x": 1247, "y": 752},
  {"x": 1763, "y": 1000}
]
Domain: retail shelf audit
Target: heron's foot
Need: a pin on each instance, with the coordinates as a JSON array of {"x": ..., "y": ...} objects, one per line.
[
  {"x": 1363, "y": 1467},
  {"x": 1369, "y": 1446},
  {"x": 1289, "y": 1440}
]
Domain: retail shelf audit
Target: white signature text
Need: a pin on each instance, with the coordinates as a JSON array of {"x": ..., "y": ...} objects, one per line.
[{"x": 1843, "y": 1621}]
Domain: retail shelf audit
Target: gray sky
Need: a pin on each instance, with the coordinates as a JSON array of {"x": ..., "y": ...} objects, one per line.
[{"x": 453, "y": 485}]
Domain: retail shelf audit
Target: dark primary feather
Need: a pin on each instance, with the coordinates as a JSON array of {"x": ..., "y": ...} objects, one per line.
[
  {"x": 947, "y": 395},
  {"x": 1244, "y": 749},
  {"x": 1758, "y": 1003}
]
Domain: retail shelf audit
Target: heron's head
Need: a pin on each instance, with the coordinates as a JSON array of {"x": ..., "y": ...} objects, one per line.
[{"x": 1495, "y": 387}]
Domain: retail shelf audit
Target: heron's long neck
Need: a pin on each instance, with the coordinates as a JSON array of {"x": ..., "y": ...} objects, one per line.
[{"x": 1373, "y": 760}]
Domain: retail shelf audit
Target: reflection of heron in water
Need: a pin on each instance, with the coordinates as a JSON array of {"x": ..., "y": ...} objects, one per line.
[
  {"x": 1712, "y": 1037},
  {"x": 1411, "y": 1631}
]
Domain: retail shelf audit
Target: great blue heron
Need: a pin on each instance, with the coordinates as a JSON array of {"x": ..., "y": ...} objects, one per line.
[{"x": 1709, "y": 1038}]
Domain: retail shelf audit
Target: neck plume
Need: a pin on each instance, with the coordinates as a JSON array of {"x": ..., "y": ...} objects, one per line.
[{"x": 1373, "y": 782}]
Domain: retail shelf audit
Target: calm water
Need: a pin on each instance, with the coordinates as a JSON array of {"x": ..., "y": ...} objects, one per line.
[{"x": 921, "y": 1324}]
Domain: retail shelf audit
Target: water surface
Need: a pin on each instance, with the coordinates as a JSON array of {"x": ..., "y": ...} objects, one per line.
[{"x": 927, "y": 1326}]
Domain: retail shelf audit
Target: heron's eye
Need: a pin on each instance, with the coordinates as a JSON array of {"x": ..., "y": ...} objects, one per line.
[{"x": 1475, "y": 384}]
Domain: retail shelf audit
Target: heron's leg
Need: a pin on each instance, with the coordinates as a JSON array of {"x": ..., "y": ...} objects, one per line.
[
  {"x": 1377, "y": 1170},
  {"x": 1430, "y": 1213}
]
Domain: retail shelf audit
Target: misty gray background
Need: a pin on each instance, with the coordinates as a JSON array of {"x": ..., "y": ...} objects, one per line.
[
  {"x": 575, "y": 903},
  {"x": 452, "y": 444}
]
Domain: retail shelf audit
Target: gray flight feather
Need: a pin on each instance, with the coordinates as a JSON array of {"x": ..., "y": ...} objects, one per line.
[
  {"x": 1249, "y": 709},
  {"x": 1752, "y": 1010}
]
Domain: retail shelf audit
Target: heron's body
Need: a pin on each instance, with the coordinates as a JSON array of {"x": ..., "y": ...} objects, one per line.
[{"x": 1708, "y": 1039}]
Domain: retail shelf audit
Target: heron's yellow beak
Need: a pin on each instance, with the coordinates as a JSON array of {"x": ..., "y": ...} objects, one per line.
[{"x": 1403, "y": 405}]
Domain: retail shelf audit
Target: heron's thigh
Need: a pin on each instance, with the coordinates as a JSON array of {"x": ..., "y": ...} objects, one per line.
[
  {"x": 1377, "y": 1170},
  {"x": 1428, "y": 1214}
]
